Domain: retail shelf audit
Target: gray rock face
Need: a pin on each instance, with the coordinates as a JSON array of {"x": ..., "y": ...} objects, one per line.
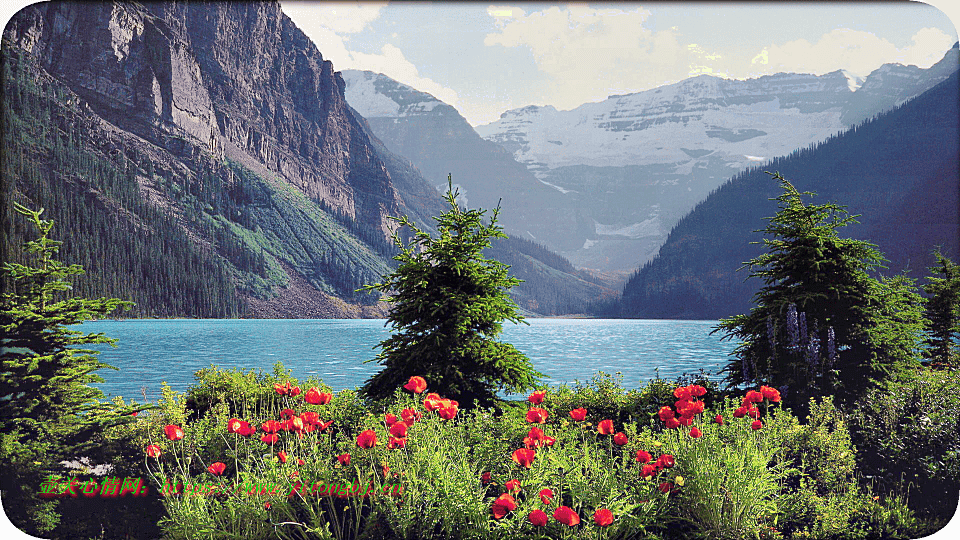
[{"x": 236, "y": 79}]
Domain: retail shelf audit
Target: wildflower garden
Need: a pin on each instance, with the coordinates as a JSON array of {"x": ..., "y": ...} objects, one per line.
[{"x": 839, "y": 418}]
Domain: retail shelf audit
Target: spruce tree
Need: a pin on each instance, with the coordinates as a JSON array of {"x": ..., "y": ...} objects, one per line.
[
  {"x": 448, "y": 305},
  {"x": 943, "y": 310},
  {"x": 822, "y": 323},
  {"x": 48, "y": 413}
]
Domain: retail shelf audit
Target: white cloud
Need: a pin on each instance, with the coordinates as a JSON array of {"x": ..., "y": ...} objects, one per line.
[
  {"x": 857, "y": 51},
  {"x": 329, "y": 24}
]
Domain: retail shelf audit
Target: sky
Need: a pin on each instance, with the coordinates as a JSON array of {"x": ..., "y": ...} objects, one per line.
[{"x": 486, "y": 58}]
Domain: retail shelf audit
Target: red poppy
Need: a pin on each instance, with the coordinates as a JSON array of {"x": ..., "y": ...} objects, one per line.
[
  {"x": 665, "y": 461},
  {"x": 217, "y": 468},
  {"x": 271, "y": 426},
  {"x": 233, "y": 425},
  {"x": 740, "y": 412},
  {"x": 486, "y": 478},
  {"x": 546, "y": 495},
  {"x": 448, "y": 409},
  {"x": 685, "y": 420},
  {"x": 295, "y": 391},
  {"x": 603, "y": 517},
  {"x": 505, "y": 503},
  {"x": 696, "y": 390},
  {"x": 537, "y": 397},
  {"x": 397, "y": 442},
  {"x": 665, "y": 487},
  {"x": 534, "y": 438},
  {"x": 538, "y": 518},
  {"x": 752, "y": 397},
  {"x": 620, "y": 438},
  {"x": 718, "y": 419},
  {"x": 174, "y": 433},
  {"x": 566, "y": 515},
  {"x": 770, "y": 393},
  {"x": 282, "y": 456},
  {"x": 682, "y": 392},
  {"x": 578, "y": 414},
  {"x": 432, "y": 402},
  {"x": 605, "y": 427},
  {"x": 416, "y": 384},
  {"x": 398, "y": 430},
  {"x": 294, "y": 424},
  {"x": 695, "y": 432},
  {"x": 696, "y": 407},
  {"x": 282, "y": 389},
  {"x": 537, "y": 415},
  {"x": 672, "y": 423},
  {"x": 665, "y": 413},
  {"x": 315, "y": 397},
  {"x": 648, "y": 470},
  {"x": 523, "y": 457},
  {"x": 324, "y": 425},
  {"x": 753, "y": 412},
  {"x": 287, "y": 414},
  {"x": 153, "y": 451},
  {"x": 344, "y": 459},
  {"x": 270, "y": 438},
  {"x": 310, "y": 418},
  {"x": 643, "y": 456},
  {"x": 246, "y": 430},
  {"x": 390, "y": 419},
  {"x": 756, "y": 425},
  {"x": 513, "y": 485},
  {"x": 367, "y": 439},
  {"x": 301, "y": 462},
  {"x": 410, "y": 416}
]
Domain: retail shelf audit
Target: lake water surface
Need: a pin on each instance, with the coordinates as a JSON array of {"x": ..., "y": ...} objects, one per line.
[{"x": 335, "y": 350}]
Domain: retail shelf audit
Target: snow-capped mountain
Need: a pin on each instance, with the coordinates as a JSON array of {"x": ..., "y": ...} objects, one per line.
[{"x": 632, "y": 165}]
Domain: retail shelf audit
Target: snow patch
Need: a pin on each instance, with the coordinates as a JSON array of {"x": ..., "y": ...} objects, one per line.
[
  {"x": 362, "y": 95},
  {"x": 754, "y": 158},
  {"x": 649, "y": 227},
  {"x": 558, "y": 188}
]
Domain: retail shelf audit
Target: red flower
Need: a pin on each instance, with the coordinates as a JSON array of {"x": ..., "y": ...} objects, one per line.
[
  {"x": 770, "y": 393},
  {"x": 648, "y": 470},
  {"x": 682, "y": 392},
  {"x": 534, "y": 438},
  {"x": 752, "y": 397},
  {"x": 672, "y": 423},
  {"x": 432, "y": 402},
  {"x": 523, "y": 457},
  {"x": 217, "y": 468},
  {"x": 756, "y": 425},
  {"x": 603, "y": 517},
  {"x": 367, "y": 439},
  {"x": 718, "y": 419},
  {"x": 246, "y": 430},
  {"x": 620, "y": 439},
  {"x": 665, "y": 461},
  {"x": 578, "y": 414},
  {"x": 287, "y": 414},
  {"x": 281, "y": 389},
  {"x": 697, "y": 391},
  {"x": 505, "y": 503},
  {"x": 397, "y": 442},
  {"x": 537, "y": 415},
  {"x": 344, "y": 459},
  {"x": 513, "y": 485},
  {"x": 398, "y": 430},
  {"x": 174, "y": 433},
  {"x": 410, "y": 416},
  {"x": 684, "y": 420},
  {"x": 448, "y": 409},
  {"x": 665, "y": 413},
  {"x": 753, "y": 412},
  {"x": 416, "y": 384},
  {"x": 295, "y": 391},
  {"x": 324, "y": 425},
  {"x": 310, "y": 418},
  {"x": 566, "y": 515},
  {"x": 643, "y": 456},
  {"x": 315, "y": 397},
  {"x": 537, "y": 397},
  {"x": 605, "y": 427},
  {"x": 271, "y": 426},
  {"x": 695, "y": 432},
  {"x": 665, "y": 487},
  {"x": 233, "y": 425},
  {"x": 282, "y": 456},
  {"x": 390, "y": 419},
  {"x": 270, "y": 438},
  {"x": 740, "y": 412},
  {"x": 538, "y": 518},
  {"x": 153, "y": 451},
  {"x": 546, "y": 495},
  {"x": 486, "y": 478}
]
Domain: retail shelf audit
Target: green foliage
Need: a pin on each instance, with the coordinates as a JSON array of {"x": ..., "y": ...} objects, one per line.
[
  {"x": 943, "y": 309},
  {"x": 48, "y": 412},
  {"x": 822, "y": 324},
  {"x": 448, "y": 304}
]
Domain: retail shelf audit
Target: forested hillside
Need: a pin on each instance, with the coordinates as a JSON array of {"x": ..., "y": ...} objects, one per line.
[{"x": 898, "y": 171}]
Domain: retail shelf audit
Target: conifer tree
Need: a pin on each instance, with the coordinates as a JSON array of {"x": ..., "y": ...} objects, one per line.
[
  {"x": 943, "y": 309},
  {"x": 47, "y": 411},
  {"x": 449, "y": 303},
  {"x": 822, "y": 324}
]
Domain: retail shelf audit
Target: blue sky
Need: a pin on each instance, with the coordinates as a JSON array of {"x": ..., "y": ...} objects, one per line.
[{"x": 485, "y": 58}]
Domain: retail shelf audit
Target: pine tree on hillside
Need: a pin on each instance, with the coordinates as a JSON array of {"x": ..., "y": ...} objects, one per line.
[
  {"x": 448, "y": 306},
  {"x": 943, "y": 309},
  {"x": 822, "y": 324}
]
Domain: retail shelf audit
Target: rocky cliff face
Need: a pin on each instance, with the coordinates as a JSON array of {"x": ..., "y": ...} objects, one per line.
[{"x": 234, "y": 79}]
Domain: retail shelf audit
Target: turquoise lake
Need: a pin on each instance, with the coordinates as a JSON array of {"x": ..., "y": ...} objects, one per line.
[{"x": 336, "y": 350}]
